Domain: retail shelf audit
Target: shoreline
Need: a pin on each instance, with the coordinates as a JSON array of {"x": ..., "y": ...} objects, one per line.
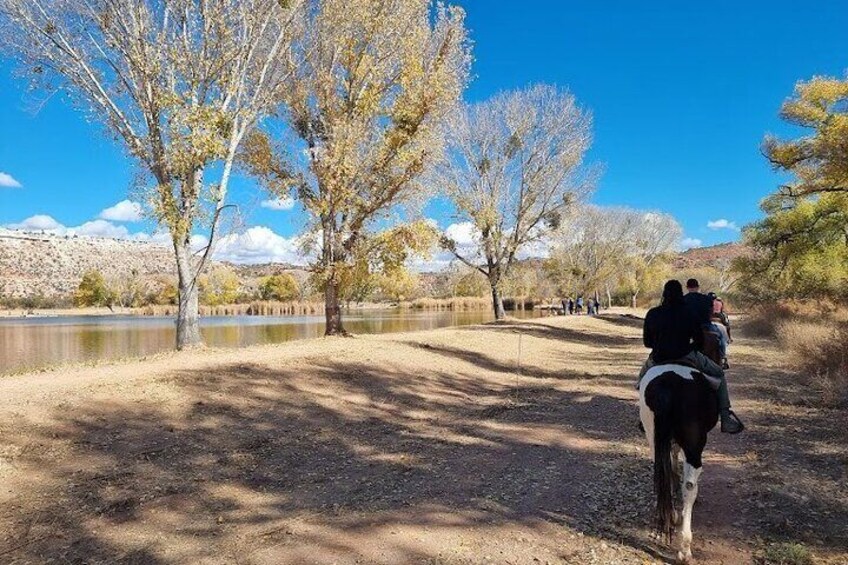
[
  {"x": 80, "y": 365},
  {"x": 140, "y": 312},
  {"x": 224, "y": 311}
]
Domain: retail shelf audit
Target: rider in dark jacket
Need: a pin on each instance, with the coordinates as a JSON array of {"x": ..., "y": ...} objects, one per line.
[
  {"x": 673, "y": 332},
  {"x": 699, "y": 304}
]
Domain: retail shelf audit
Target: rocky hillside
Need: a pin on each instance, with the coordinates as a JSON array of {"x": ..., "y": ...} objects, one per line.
[
  {"x": 50, "y": 266},
  {"x": 716, "y": 256}
]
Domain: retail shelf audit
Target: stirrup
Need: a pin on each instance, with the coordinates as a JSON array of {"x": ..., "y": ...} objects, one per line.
[{"x": 733, "y": 415}]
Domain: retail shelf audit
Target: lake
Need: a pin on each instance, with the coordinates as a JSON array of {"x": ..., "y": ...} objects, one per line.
[{"x": 33, "y": 343}]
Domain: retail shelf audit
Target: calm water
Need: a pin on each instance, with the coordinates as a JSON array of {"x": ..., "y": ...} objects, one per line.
[{"x": 31, "y": 343}]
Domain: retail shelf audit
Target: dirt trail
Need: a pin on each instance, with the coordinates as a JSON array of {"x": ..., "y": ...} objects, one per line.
[{"x": 432, "y": 447}]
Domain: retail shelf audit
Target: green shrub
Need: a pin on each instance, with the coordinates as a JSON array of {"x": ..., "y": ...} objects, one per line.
[
  {"x": 220, "y": 286},
  {"x": 282, "y": 288},
  {"x": 785, "y": 554},
  {"x": 93, "y": 291}
]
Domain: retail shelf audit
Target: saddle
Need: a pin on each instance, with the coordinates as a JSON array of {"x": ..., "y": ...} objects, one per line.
[{"x": 714, "y": 382}]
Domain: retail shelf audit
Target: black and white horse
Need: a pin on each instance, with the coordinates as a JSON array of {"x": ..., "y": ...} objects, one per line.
[{"x": 678, "y": 408}]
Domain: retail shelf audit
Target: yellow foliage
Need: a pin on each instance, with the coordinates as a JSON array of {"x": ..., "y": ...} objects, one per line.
[{"x": 219, "y": 287}]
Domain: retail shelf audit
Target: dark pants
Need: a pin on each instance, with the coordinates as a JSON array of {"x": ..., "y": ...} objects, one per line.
[{"x": 704, "y": 364}]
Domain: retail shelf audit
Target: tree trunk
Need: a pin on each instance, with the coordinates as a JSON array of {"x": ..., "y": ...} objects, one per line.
[
  {"x": 188, "y": 312},
  {"x": 333, "y": 309},
  {"x": 497, "y": 303},
  {"x": 633, "y": 300}
]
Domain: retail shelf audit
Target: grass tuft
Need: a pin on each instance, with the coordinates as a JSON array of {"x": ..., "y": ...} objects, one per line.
[{"x": 785, "y": 554}]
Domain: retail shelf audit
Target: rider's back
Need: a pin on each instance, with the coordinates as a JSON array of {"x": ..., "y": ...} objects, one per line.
[
  {"x": 669, "y": 332},
  {"x": 700, "y": 306}
]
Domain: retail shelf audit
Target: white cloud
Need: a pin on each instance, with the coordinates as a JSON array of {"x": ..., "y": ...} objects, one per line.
[
  {"x": 42, "y": 223},
  {"x": 690, "y": 243},
  {"x": 158, "y": 237},
  {"x": 124, "y": 211},
  {"x": 39, "y": 222},
  {"x": 463, "y": 233},
  {"x": 258, "y": 245},
  {"x": 8, "y": 181},
  {"x": 285, "y": 203},
  {"x": 467, "y": 239},
  {"x": 722, "y": 224},
  {"x": 101, "y": 228}
]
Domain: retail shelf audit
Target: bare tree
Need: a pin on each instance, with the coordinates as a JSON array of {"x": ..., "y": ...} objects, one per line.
[
  {"x": 600, "y": 247},
  {"x": 513, "y": 169},
  {"x": 653, "y": 236},
  {"x": 367, "y": 98},
  {"x": 588, "y": 247},
  {"x": 179, "y": 82}
]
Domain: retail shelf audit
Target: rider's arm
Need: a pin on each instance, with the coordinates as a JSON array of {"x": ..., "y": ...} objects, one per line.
[
  {"x": 648, "y": 331},
  {"x": 697, "y": 332}
]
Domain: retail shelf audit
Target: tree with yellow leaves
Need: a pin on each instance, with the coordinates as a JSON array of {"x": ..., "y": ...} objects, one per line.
[
  {"x": 819, "y": 161},
  {"x": 179, "y": 82},
  {"x": 801, "y": 246},
  {"x": 371, "y": 84}
]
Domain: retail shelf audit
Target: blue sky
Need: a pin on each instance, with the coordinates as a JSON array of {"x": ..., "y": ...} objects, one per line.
[{"x": 682, "y": 94}]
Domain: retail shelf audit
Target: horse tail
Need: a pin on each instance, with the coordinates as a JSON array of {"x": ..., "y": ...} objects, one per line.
[{"x": 663, "y": 477}]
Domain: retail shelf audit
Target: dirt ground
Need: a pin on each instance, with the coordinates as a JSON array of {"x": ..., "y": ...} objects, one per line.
[{"x": 439, "y": 447}]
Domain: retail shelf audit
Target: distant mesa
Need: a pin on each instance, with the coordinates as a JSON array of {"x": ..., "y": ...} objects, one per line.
[
  {"x": 712, "y": 256},
  {"x": 46, "y": 265}
]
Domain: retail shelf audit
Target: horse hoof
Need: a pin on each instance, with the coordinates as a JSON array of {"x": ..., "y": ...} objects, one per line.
[{"x": 685, "y": 557}]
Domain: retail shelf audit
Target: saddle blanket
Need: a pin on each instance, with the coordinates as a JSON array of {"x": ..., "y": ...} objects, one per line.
[{"x": 683, "y": 371}]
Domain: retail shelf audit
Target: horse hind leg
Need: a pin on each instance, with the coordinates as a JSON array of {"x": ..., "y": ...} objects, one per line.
[
  {"x": 647, "y": 417},
  {"x": 691, "y": 477}
]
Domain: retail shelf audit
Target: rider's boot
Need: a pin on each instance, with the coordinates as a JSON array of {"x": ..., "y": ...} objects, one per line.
[{"x": 730, "y": 422}]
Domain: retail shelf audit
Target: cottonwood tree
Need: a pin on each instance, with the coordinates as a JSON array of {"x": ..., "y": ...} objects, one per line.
[
  {"x": 369, "y": 91},
  {"x": 800, "y": 248},
  {"x": 605, "y": 247},
  {"x": 588, "y": 248},
  {"x": 178, "y": 82},
  {"x": 650, "y": 239},
  {"x": 282, "y": 287},
  {"x": 818, "y": 161},
  {"x": 513, "y": 169},
  {"x": 463, "y": 281}
]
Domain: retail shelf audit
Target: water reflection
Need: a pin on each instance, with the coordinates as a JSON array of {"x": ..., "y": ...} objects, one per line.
[{"x": 33, "y": 343}]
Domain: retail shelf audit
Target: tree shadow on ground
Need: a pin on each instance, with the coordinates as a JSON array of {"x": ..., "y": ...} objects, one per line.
[
  {"x": 561, "y": 333},
  {"x": 488, "y": 363},
  {"x": 339, "y": 455},
  {"x": 308, "y": 464},
  {"x": 623, "y": 320}
]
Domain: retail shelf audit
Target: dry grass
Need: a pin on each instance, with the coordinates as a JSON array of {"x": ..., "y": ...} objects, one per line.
[
  {"x": 459, "y": 303},
  {"x": 471, "y": 303},
  {"x": 256, "y": 308},
  {"x": 817, "y": 349},
  {"x": 762, "y": 322}
]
